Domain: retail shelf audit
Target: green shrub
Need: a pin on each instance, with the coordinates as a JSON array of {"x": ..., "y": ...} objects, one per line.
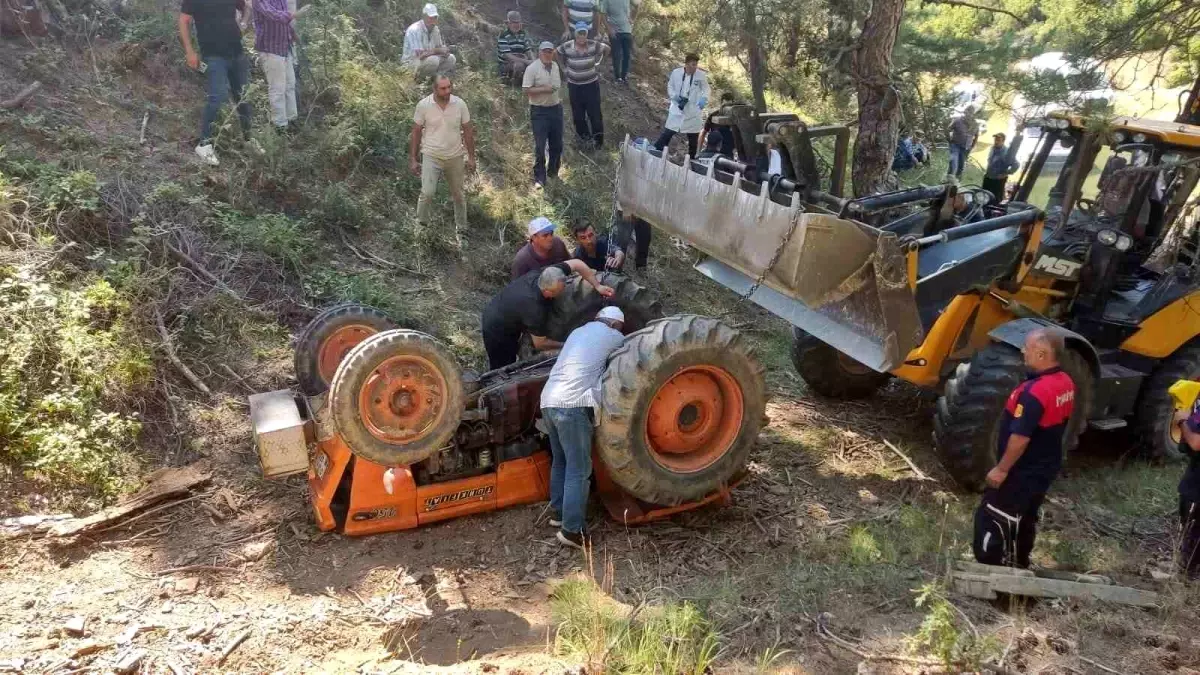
[{"x": 68, "y": 360}]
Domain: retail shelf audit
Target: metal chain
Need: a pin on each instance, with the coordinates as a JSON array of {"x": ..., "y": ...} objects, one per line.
[
  {"x": 787, "y": 236},
  {"x": 612, "y": 216}
]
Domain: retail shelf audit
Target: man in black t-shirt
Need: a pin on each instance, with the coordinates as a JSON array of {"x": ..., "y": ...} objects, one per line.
[
  {"x": 594, "y": 250},
  {"x": 221, "y": 57},
  {"x": 523, "y": 306}
]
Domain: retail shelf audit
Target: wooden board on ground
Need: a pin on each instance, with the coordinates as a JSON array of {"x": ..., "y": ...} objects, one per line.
[
  {"x": 986, "y": 581},
  {"x": 161, "y": 485}
]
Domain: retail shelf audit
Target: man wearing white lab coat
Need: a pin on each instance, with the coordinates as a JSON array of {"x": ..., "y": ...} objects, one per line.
[{"x": 687, "y": 93}]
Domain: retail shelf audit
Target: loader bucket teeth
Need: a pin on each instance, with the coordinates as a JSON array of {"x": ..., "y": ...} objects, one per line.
[{"x": 839, "y": 280}]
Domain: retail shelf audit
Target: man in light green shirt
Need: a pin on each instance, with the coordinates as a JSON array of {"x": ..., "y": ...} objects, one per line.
[{"x": 619, "y": 16}]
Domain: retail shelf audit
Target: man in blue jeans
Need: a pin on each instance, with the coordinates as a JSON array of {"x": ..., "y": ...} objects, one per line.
[
  {"x": 619, "y": 16},
  {"x": 964, "y": 133},
  {"x": 219, "y": 32},
  {"x": 569, "y": 399},
  {"x": 541, "y": 83}
]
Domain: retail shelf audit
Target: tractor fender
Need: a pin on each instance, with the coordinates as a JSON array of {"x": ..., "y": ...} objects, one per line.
[{"x": 1014, "y": 333}]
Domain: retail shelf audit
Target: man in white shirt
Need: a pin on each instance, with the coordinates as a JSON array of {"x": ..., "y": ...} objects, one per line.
[
  {"x": 688, "y": 92},
  {"x": 424, "y": 50},
  {"x": 569, "y": 400},
  {"x": 443, "y": 131}
]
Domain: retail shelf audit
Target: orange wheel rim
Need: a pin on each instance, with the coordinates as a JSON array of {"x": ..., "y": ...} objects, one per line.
[
  {"x": 402, "y": 399},
  {"x": 694, "y": 418},
  {"x": 1176, "y": 433},
  {"x": 335, "y": 348}
]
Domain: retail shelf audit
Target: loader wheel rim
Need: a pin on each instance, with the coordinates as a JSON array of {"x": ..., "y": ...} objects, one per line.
[
  {"x": 335, "y": 348},
  {"x": 1174, "y": 431},
  {"x": 403, "y": 399},
  {"x": 694, "y": 418}
]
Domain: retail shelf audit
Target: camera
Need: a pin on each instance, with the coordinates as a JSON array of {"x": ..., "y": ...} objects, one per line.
[{"x": 682, "y": 101}]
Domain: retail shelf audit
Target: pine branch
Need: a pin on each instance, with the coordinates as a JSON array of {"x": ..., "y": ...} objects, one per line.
[{"x": 970, "y": 5}]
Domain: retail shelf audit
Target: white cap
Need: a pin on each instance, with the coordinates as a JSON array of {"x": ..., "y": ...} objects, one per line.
[
  {"x": 430, "y": 9},
  {"x": 539, "y": 225},
  {"x": 613, "y": 313},
  {"x": 546, "y": 44}
]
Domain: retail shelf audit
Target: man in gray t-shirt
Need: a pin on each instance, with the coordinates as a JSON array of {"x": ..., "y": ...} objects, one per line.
[
  {"x": 964, "y": 132},
  {"x": 619, "y": 16}
]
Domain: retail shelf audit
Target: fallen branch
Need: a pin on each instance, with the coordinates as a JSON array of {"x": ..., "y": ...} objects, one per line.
[
  {"x": 162, "y": 484},
  {"x": 200, "y": 269},
  {"x": 148, "y": 513},
  {"x": 372, "y": 258},
  {"x": 142, "y": 135},
  {"x": 824, "y": 633},
  {"x": 169, "y": 348},
  {"x": 20, "y": 98},
  {"x": 921, "y": 475},
  {"x": 241, "y": 637},
  {"x": 1101, "y": 666},
  {"x": 194, "y": 568}
]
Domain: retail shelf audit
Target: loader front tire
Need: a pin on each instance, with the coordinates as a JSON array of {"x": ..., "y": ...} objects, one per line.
[
  {"x": 329, "y": 337},
  {"x": 579, "y": 303},
  {"x": 966, "y": 421},
  {"x": 1158, "y": 435},
  {"x": 397, "y": 397},
  {"x": 684, "y": 400},
  {"x": 831, "y": 373}
]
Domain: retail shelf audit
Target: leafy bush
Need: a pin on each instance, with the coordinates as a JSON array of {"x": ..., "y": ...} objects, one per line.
[{"x": 68, "y": 358}]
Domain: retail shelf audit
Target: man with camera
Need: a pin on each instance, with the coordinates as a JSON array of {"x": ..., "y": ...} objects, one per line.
[{"x": 687, "y": 92}]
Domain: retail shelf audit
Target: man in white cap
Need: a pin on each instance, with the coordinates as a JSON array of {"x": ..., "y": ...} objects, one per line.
[
  {"x": 542, "y": 83},
  {"x": 514, "y": 48},
  {"x": 523, "y": 306},
  {"x": 569, "y": 402},
  {"x": 424, "y": 50},
  {"x": 443, "y": 131},
  {"x": 543, "y": 248}
]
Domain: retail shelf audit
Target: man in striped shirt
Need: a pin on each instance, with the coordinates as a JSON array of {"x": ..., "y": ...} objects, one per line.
[
  {"x": 273, "y": 36},
  {"x": 575, "y": 11},
  {"x": 580, "y": 58},
  {"x": 514, "y": 49}
]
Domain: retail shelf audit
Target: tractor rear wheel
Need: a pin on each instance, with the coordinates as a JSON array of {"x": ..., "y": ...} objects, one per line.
[
  {"x": 329, "y": 337},
  {"x": 397, "y": 397},
  {"x": 1155, "y": 409},
  {"x": 684, "y": 400},
  {"x": 966, "y": 422},
  {"x": 579, "y": 303},
  {"x": 831, "y": 373}
]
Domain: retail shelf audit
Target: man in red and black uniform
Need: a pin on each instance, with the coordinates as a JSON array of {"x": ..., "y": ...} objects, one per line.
[
  {"x": 1189, "y": 492},
  {"x": 1031, "y": 443}
]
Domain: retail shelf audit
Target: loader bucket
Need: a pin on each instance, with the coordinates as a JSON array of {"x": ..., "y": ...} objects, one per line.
[{"x": 842, "y": 281}]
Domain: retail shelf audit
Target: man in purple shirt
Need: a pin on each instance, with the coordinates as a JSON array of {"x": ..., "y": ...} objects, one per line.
[{"x": 273, "y": 34}]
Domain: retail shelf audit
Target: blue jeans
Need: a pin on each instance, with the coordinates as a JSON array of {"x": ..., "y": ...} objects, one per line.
[
  {"x": 622, "y": 53},
  {"x": 225, "y": 77},
  {"x": 958, "y": 160},
  {"x": 547, "y": 122},
  {"x": 570, "y": 431}
]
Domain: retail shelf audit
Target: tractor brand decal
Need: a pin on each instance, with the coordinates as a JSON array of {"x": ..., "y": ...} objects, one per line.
[
  {"x": 442, "y": 500},
  {"x": 321, "y": 464},
  {"x": 381, "y": 513},
  {"x": 1066, "y": 269}
]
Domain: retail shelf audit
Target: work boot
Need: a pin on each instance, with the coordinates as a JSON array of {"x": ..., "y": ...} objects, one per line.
[{"x": 574, "y": 539}]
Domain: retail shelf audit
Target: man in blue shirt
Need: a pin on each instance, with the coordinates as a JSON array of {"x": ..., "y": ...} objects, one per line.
[
  {"x": 569, "y": 400},
  {"x": 1000, "y": 165}
]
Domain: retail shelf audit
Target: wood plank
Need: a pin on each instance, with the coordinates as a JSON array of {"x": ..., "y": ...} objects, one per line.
[
  {"x": 1055, "y": 588},
  {"x": 161, "y": 485},
  {"x": 972, "y": 567}
]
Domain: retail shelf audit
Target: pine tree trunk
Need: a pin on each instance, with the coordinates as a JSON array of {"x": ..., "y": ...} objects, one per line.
[
  {"x": 755, "y": 59},
  {"x": 878, "y": 101}
]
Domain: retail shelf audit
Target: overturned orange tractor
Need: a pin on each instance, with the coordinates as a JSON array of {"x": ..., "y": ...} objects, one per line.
[{"x": 403, "y": 437}]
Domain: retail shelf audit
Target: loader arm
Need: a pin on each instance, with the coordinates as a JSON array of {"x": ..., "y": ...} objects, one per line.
[{"x": 851, "y": 285}]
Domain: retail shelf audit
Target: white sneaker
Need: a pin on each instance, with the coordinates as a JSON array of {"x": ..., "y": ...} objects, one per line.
[
  {"x": 206, "y": 153},
  {"x": 255, "y": 147}
]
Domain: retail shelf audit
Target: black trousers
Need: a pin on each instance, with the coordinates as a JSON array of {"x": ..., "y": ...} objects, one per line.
[
  {"x": 665, "y": 139},
  {"x": 585, "y": 112},
  {"x": 995, "y": 186},
  {"x": 1189, "y": 541},
  {"x": 1006, "y": 525},
  {"x": 547, "y": 122},
  {"x": 637, "y": 230},
  {"x": 501, "y": 346}
]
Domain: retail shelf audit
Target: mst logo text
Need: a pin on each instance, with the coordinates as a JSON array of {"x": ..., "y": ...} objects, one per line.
[
  {"x": 1067, "y": 269},
  {"x": 442, "y": 500}
]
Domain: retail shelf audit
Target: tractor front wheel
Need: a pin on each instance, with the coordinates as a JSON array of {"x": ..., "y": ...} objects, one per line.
[
  {"x": 397, "y": 398},
  {"x": 1155, "y": 409},
  {"x": 684, "y": 399},
  {"x": 966, "y": 423},
  {"x": 831, "y": 373}
]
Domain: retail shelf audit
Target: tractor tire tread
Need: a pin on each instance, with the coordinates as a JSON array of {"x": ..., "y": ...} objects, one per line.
[{"x": 308, "y": 345}]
